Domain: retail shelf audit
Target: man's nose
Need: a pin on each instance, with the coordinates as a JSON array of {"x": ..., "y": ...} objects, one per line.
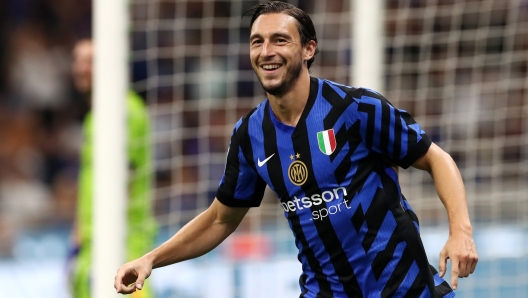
[{"x": 267, "y": 49}]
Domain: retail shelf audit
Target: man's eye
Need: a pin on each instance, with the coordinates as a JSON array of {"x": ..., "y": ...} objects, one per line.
[{"x": 256, "y": 42}]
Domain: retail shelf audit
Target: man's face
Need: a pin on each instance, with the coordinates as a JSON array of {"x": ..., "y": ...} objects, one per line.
[
  {"x": 82, "y": 66},
  {"x": 276, "y": 53}
]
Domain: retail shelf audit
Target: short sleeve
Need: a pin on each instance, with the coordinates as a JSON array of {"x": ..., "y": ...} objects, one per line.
[
  {"x": 390, "y": 131},
  {"x": 241, "y": 185}
]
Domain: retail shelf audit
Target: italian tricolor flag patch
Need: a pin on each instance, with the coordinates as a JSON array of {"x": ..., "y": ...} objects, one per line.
[{"x": 327, "y": 141}]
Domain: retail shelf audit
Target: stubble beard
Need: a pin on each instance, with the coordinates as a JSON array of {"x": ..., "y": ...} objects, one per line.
[{"x": 285, "y": 85}]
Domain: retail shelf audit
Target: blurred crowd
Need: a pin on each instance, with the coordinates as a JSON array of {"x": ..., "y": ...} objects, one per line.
[{"x": 40, "y": 114}]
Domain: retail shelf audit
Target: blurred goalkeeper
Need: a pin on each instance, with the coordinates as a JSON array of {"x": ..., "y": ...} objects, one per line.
[
  {"x": 141, "y": 227},
  {"x": 329, "y": 152}
]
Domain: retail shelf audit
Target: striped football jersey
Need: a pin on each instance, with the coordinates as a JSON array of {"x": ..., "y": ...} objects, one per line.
[{"x": 334, "y": 174}]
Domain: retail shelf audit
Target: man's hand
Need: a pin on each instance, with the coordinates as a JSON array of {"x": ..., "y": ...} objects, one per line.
[
  {"x": 131, "y": 276},
  {"x": 460, "y": 248}
]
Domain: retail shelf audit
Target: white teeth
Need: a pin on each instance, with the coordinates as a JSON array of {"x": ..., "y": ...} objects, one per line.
[{"x": 271, "y": 66}]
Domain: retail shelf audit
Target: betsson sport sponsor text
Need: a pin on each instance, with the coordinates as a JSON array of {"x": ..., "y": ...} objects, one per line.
[{"x": 317, "y": 199}]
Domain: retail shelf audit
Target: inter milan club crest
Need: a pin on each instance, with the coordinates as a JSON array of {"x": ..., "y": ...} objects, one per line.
[
  {"x": 297, "y": 171},
  {"x": 326, "y": 140}
]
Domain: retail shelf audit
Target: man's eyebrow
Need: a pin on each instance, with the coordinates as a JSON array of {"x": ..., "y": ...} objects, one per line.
[
  {"x": 284, "y": 35},
  {"x": 274, "y": 35},
  {"x": 255, "y": 35}
]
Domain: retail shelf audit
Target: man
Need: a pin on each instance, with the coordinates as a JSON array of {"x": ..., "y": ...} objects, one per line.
[
  {"x": 139, "y": 217},
  {"x": 328, "y": 152}
]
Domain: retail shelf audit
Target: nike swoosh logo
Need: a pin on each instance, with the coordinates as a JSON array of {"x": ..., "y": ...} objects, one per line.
[{"x": 261, "y": 163}]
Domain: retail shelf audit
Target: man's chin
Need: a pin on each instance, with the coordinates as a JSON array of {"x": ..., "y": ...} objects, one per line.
[{"x": 274, "y": 89}]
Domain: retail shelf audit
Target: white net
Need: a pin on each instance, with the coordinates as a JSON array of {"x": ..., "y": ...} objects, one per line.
[{"x": 460, "y": 67}]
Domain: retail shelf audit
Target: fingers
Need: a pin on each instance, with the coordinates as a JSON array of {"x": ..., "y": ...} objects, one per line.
[
  {"x": 473, "y": 258},
  {"x": 117, "y": 280},
  {"x": 122, "y": 289},
  {"x": 454, "y": 273},
  {"x": 462, "y": 266},
  {"x": 474, "y": 263},
  {"x": 442, "y": 263},
  {"x": 140, "y": 280},
  {"x": 462, "y": 252},
  {"x": 467, "y": 262},
  {"x": 124, "y": 282}
]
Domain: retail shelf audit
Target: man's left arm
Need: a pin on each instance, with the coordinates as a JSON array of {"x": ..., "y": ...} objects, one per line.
[{"x": 460, "y": 247}]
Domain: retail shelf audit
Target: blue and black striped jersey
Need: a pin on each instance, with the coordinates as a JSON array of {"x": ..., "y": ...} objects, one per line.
[{"x": 334, "y": 176}]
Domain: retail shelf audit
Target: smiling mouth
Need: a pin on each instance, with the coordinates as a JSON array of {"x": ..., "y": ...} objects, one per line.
[{"x": 271, "y": 66}]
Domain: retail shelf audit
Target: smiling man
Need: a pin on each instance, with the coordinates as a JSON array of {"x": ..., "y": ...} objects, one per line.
[{"x": 328, "y": 152}]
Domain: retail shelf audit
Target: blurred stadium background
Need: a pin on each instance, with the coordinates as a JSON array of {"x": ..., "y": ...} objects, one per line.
[{"x": 460, "y": 67}]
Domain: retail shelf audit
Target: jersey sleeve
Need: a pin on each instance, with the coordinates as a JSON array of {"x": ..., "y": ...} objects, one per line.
[
  {"x": 241, "y": 185},
  {"x": 390, "y": 131}
]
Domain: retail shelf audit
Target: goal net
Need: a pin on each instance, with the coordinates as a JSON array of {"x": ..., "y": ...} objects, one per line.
[{"x": 460, "y": 67}]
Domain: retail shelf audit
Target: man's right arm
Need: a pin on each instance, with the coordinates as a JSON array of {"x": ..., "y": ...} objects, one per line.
[{"x": 198, "y": 237}]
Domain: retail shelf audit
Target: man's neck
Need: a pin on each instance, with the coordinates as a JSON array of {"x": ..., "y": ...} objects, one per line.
[{"x": 288, "y": 107}]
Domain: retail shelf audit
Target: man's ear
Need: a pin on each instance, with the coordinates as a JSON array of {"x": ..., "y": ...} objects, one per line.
[{"x": 309, "y": 50}]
